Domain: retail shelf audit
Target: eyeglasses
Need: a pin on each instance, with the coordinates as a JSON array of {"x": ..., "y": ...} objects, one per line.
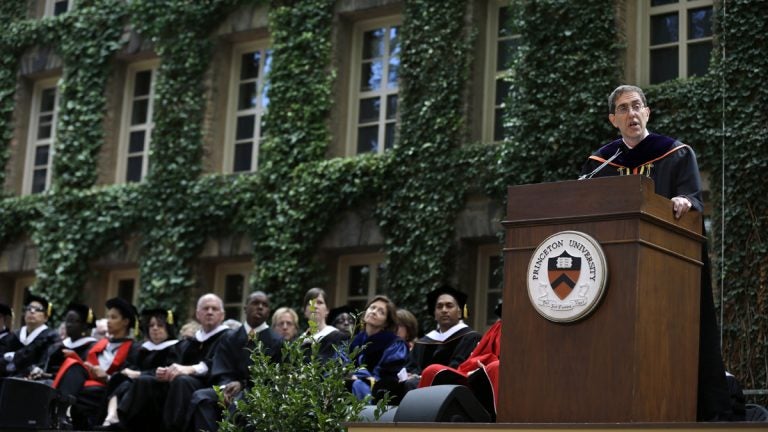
[
  {"x": 344, "y": 320},
  {"x": 33, "y": 309},
  {"x": 624, "y": 109}
]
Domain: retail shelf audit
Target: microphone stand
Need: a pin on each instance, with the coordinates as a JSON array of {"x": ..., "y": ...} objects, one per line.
[{"x": 596, "y": 170}]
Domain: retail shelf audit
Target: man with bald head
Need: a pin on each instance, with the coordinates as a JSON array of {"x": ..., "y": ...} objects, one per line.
[
  {"x": 163, "y": 398},
  {"x": 233, "y": 359}
]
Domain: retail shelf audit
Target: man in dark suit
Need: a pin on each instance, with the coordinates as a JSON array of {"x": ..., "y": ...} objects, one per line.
[{"x": 232, "y": 360}]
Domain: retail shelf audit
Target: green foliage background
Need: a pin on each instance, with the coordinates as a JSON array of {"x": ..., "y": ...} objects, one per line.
[{"x": 566, "y": 65}]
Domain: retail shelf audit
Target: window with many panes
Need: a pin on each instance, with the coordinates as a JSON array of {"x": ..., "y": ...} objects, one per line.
[
  {"x": 57, "y": 7},
  {"x": 501, "y": 47},
  {"x": 137, "y": 123},
  {"x": 41, "y": 137},
  {"x": 232, "y": 286},
  {"x": 490, "y": 284},
  {"x": 677, "y": 39},
  {"x": 248, "y": 102},
  {"x": 375, "y": 79},
  {"x": 360, "y": 278}
]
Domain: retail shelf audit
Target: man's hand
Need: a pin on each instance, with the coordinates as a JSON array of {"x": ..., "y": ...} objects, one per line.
[
  {"x": 231, "y": 390},
  {"x": 680, "y": 205},
  {"x": 174, "y": 370}
]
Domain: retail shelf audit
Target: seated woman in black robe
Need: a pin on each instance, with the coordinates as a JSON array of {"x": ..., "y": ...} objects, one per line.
[
  {"x": 27, "y": 348},
  {"x": 383, "y": 353},
  {"x": 326, "y": 336},
  {"x": 158, "y": 350},
  {"x": 84, "y": 382},
  {"x": 78, "y": 322}
]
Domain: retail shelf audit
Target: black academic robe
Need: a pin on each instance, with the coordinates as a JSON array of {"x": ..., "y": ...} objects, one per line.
[
  {"x": 673, "y": 167},
  {"x": 178, "y": 394},
  {"x": 230, "y": 364},
  {"x": 327, "y": 344},
  {"x": 451, "y": 352},
  {"x": 5, "y": 338},
  {"x": 671, "y": 164},
  {"x": 27, "y": 357},
  {"x": 56, "y": 352},
  {"x": 146, "y": 359}
]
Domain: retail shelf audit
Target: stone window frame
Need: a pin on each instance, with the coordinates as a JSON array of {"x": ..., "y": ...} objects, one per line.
[
  {"x": 31, "y": 163},
  {"x": 492, "y": 108},
  {"x": 126, "y": 128},
  {"x": 116, "y": 277},
  {"x": 683, "y": 43},
  {"x": 374, "y": 261},
  {"x": 486, "y": 296},
  {"x": 384, "y": 93},
  {"x": 222, "y": 272},
  {"x": 234, "y": 113},
  {"x": 51, "y": 7}
]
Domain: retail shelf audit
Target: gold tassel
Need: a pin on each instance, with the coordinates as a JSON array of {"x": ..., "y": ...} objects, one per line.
[
  {"x": 50, "y": 309},
  {"x": 169, "y": 317},
  {"x": 466, "y": 312},
  {"x": 136, "y": 327},
  {"x": 89, "y": 319}
]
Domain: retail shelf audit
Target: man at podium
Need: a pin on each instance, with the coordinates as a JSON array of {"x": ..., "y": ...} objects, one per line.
[{"x": 672, "y": 166}]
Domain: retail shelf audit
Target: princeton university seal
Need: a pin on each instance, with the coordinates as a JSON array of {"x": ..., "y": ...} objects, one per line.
[{"x": 566, "y": 276}]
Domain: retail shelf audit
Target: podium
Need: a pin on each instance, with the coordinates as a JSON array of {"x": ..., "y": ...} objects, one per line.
[{"x": 634, "y": 357}]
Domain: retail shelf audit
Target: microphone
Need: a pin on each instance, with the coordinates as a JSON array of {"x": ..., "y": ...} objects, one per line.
[{"x": 597, "y": 170}]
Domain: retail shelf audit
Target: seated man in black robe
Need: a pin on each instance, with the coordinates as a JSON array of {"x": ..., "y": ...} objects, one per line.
[
  {"x": 232, "y": 360},
  {"x": 78, "y": 322},
  {"x": 450, "y": 343},
  {"x": 166, "y": 394},
  {"x": 27, "y": 347},
  {"x": 673, "y": 167}
]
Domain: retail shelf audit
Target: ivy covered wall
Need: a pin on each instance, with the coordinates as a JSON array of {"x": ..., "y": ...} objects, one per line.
[{"x": 569, "y": 60}]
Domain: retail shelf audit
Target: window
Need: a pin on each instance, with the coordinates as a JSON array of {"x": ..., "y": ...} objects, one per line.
[
  {"x": 137, "y": 124},
  {"x": 678, "y": 38},
  {"x": 247, "y": 104},
  {"x": 57, "y": 7},
  {"x": 375, "y": 77},
  {"x": 124, "y": 284},
  {"x": 360, "y": 278},
  {"x": 231, "y": 285},
  {"x": 501, "y": 47},
  {"x": 42, "y": 134},
  {"x": 490, "y": 284}
]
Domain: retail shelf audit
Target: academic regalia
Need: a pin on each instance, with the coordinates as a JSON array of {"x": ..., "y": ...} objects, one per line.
[
  {"x": 5, "y": 338},
  {"x": 149, "y": 356},
  {"x": 480, "y": 372},
  {"x": 178, "y": 393},
  {"x": 231, "y": 364},
  {"x": 328, "y": 339},
  {"x": 450, "y": 348},
  {"x": 74, "y": 379},
  {"x": 379, "y": 362},
  {"x": 56, "y": 352},
  {"x": 27, "y": 350},
  {"x": 672, "y": 166}
]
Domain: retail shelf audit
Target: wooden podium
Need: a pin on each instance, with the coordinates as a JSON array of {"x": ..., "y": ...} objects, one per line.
[{"x": 635, "y": 357}]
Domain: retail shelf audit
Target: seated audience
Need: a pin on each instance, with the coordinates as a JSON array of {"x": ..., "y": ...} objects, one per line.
[
  {"x": 78, "y": 321},
  {"x": 480, "y": 372},
  {"x": 450, "y": 343},
  {"x": 407, "y": 327},
  {"x": 157, "y": 350},
  {"x": 343, "y": 318},
  {"x": 285, "y": 321},
  {"x": 328, "y": 337},
  {"x": 383, "y": 353},
  {"x": 230, "y": 364},
  {"x": 27, "y": 348},
  {"x": 85, "y": 382}
]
